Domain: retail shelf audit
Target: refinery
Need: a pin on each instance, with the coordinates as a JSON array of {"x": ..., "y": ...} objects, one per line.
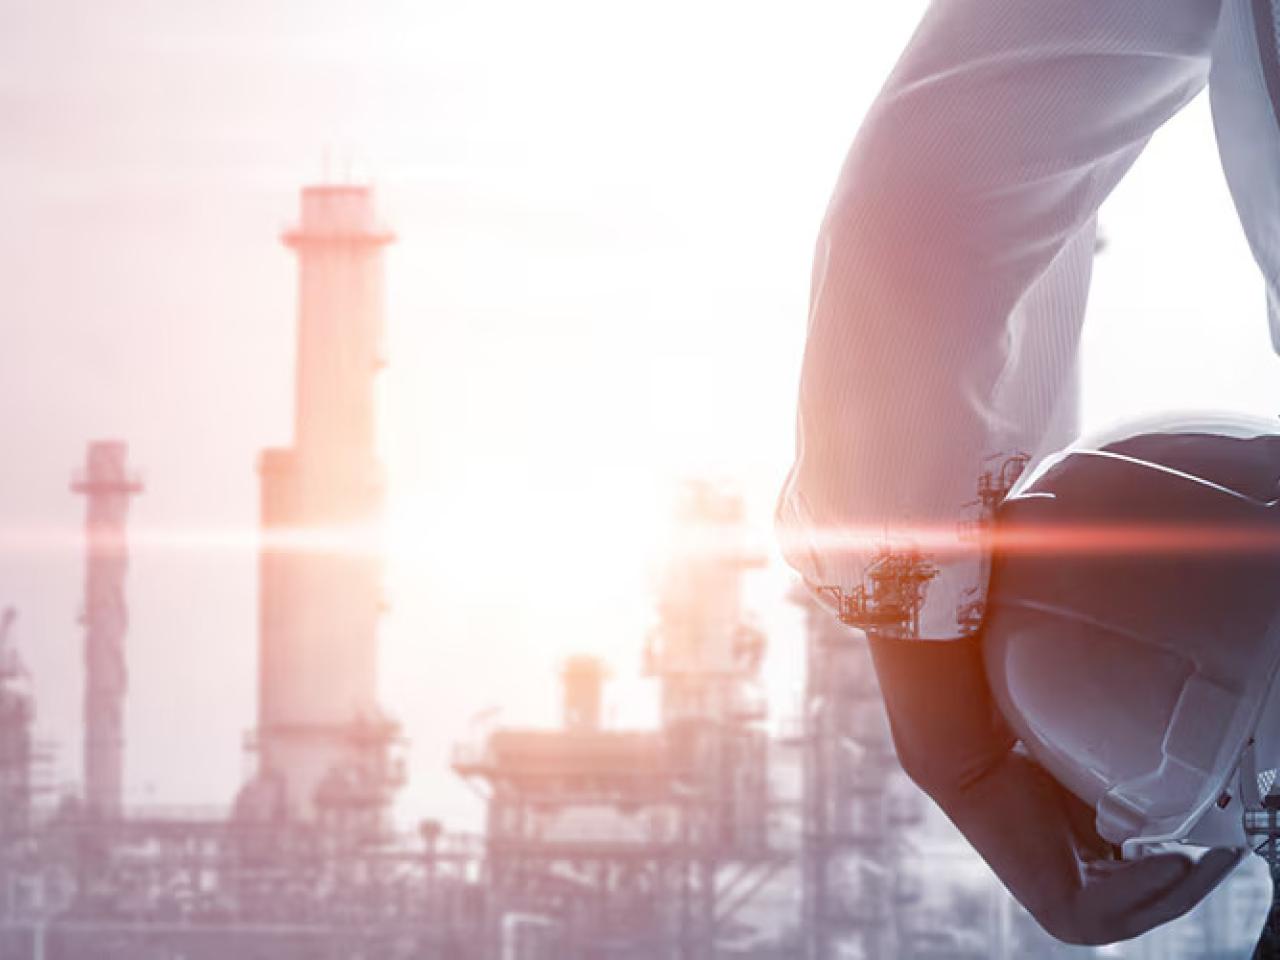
[{"x": 719, "y": 831}]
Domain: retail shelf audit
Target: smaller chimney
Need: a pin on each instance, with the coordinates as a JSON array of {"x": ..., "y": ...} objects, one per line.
[
  {"x": 107, "y": 485},
  {"x": 583, "y": 682}
]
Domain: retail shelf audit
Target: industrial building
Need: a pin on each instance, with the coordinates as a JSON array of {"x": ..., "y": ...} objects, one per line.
[
  {"x": 719, "y": 831},
  {"x": 643, "y": 843}
]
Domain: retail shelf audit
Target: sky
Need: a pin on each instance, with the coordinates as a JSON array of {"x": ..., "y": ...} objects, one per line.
[{"x": 605, "y": 218}]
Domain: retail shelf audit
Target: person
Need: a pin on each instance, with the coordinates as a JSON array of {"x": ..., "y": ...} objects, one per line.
[{"x": 948, "y": 293}]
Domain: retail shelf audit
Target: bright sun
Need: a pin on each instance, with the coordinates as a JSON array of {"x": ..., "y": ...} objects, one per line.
[{"x": 494, "y": 539}]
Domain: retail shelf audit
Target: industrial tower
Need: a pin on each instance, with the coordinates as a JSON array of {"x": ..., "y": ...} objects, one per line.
[
  {"x": 324, "y": 745},
  {"x": 707, "y": 657},
  {"x": 107, "y": 486},
  {"x": 703, "y": 650}
]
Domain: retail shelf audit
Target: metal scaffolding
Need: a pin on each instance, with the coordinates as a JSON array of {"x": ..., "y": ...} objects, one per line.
[
  {"x": 642, "y": 843},
  {"x": 856, "y": 884}
]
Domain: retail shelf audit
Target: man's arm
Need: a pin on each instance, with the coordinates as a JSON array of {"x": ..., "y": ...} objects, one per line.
[
  {"x": 951, "y": 272},
  {"x": 1037, "y": 837},
  {"x": 949, "y": 290}
]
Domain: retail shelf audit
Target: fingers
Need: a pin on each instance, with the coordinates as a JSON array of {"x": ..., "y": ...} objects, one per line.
[{"x": 1150, "y": 903}]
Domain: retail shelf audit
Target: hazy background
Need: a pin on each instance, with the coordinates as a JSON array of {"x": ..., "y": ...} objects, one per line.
[{"x": 606, "y": 217}]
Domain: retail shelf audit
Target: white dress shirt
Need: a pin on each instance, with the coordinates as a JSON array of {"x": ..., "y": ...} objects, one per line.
[{"x": 953, "y": 267}]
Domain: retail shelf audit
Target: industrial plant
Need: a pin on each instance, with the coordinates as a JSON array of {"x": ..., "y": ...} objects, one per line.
[{"x": 725, "y": 829}]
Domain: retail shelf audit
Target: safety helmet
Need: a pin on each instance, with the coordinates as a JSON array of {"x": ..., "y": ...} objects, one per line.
[{"x": 1132, "y": 631}]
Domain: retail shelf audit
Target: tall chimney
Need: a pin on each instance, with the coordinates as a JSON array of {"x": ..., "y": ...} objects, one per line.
[
  {"x": 320, "y": 730},
  {"x": 107, "y": 486}
]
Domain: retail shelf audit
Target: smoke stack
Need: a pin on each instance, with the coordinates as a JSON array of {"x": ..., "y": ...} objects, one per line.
[
  {"x": 320, "y": 731},
  {"x": 107, "y": 486}
]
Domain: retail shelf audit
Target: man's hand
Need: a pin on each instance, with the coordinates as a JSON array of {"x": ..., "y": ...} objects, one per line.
[{"x": 1036, "y": 836}]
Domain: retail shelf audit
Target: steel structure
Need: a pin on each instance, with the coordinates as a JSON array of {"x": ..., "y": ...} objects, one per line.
[
  {"x": 706, "y": 656},
  {"x": 325, "y": 747},
  {"x": 889, "y": 600},
  {"x": 107, "y": 486},
  {"x": 642, "y": 843},
  {"x": 602, "y": 843},
  {"x": 582, "y": 842},
  {"x": 857, "y": 881},
  {"x": 204, "y": 886}
]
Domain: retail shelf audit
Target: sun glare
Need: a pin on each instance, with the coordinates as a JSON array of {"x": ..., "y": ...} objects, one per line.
[{"x": 532, "y": 546}]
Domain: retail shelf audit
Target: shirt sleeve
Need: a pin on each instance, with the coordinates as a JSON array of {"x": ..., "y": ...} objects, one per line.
[
  {"x": 905, "y": 447},
  {"x": 950, "y": 281}
]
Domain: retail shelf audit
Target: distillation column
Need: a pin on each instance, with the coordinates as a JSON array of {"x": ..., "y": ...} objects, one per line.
[
  {"x": 107, "y": 486},
  {"x": 321, "y": 737}
]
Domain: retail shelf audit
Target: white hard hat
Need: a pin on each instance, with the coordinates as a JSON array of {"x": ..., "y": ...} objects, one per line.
[{"x": 1132, "y": 635}]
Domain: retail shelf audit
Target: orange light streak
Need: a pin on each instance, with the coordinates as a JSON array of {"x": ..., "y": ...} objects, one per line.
[
  {"x": 939, "y": 541},
  {"x": 354, "y": 540},
  {"x": 1098, "y": 539}
]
